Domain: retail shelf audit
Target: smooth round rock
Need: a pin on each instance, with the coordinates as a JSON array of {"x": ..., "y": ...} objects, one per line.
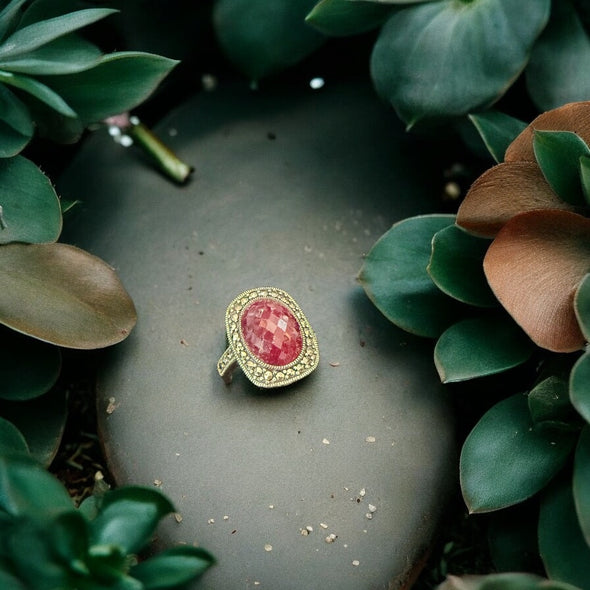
[{"x": 337, "y": 481}]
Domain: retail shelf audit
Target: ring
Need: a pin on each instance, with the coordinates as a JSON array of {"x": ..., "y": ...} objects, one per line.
[{"x": 269, "y": 338}]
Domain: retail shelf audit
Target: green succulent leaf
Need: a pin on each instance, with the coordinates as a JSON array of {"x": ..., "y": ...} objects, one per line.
[
  {"x": 66, "y": 55},
  {"x": 549, "y": 403},
  {"x": 468, "y": 54},
  {"x": 581, "y": 483},
  {"x": 30, "y": 206},
  {"x": 127, "y": 518},
  {"x": 582, "y": 306},
  {"x": 118, "y": 83},
  {"x": 10, "y": 582},
  {"x": 8, "y": 14},
  {"x": 260, "y": 41},
  {"x": 579, "y": 386},
  {"x": 63, "y": 295},
  {"x": 497, "y": 131},
  {"x": 503, "y": 581},
  {"x": 42, "y": 422},
  {"x": 456, "y": 266},
  {"x": 39, "y": 91},
  {"x": 553, "y": 75},
  {"x": 16, "y": 125},
  {"x": 27, "y": 489},
  {"x": 11, "y": 439},
  {"x": 506, "y": 460},
  {"x": 172, "y": 567},
  {"x": 565, "y": 553},
  {"x": 476, "y": 347},
  {"x": 558, "y": 154},
  {"x": 585, "y": 177},
  {"x": 395, "y": 278},
  {"x": 34, "y": 36},
  {"x": 343, "y": 17},
  {"x": 68, "y": 536},
  {"x": 28, "y": 367}
]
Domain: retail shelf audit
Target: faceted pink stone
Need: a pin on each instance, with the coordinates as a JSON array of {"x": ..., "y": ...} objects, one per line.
[{"x": 271, "y": 332}]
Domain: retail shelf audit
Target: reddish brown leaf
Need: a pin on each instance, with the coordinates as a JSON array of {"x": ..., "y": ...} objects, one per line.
[
  {"x": 574, "y": 116},
  {"x": 534, "y": 267},
  {"x": 502, "y": 192}
]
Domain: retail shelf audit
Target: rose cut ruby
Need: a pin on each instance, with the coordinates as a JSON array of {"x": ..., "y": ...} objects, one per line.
[{"x": 271, "y": 332}]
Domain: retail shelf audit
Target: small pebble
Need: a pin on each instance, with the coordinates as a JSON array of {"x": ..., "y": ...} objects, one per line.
[
  {"x": 372, "y": 508},
  {"x": 326, "y": 441},
  {"x": 158, "y": 482},
  {"x": 363, "y": 493},
  {"x": 323, "y": 525},
  {"x": 370, "y": 439},
  {"x": 211, "y": 521},
  {"x": 309, "y": 529},
  {"x": 268, "y": 547},
  {"x": 356, "y": 563},
  {"x": 369, "y": 516},
  {"x": 177, "y": 517},
  {"x": 331, "y": 538}
]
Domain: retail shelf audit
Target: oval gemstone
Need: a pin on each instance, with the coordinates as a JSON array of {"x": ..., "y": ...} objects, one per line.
[{"x": 271, "y": 332}]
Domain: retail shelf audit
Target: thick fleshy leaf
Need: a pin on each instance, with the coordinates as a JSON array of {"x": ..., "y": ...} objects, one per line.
[
  {"x": 580, "y": 386},
  {"x": 39, "y": 91},
  {"x": 260, "y": 41},
  {"x": 506, "y": 460},
  {"x": 549, "y": 403},
  {"x": 534, "y": 267},
  {"x": 11, "y": 439},
  {"x": 30, "y": 206},
  {"x": 343, "y": 17},
  {"x": 503, "y": 581},
  {"x": 502, "y": 192},
  {"x": 42, "y": 422},
  {"x": 173, "y": 567},
  {"x": 558, "y": 154},
  {"x": 395, "y": 278},
  {"x": 68, "y": 535},
  {"x": 65, "y": 55},
  {"x": 117, "y": 84},
  {"x": 128, "y": 517},
  {"x": 582, "y": 306},
  {"x": 481, "y": 346},
  {"x": 573, "y": 117},
  {"x": 28, "y": 367},
  {"x": 585, "y": 177},
  {"x": 456, "y": 266},
  {"x": 63, "y": 295},
  {"x": 554, "y": 76},
  {"x": 27, "y": 489},
  {"x": 468, "y": 54},
  {"x": 7, "y": 15},
  {"x": 38, "y": 34},
  {"x": 497, "y": 131},
  {"x": 565, "y": 553},
  {"x": 581, "y": 482},
  {"x": 16, "y": 125}
]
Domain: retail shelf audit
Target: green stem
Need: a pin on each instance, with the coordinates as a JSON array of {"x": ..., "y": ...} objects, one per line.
[{"x": 160, "y": 153}]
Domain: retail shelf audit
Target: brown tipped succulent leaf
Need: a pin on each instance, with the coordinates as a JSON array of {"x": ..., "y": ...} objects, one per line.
[
  {"x": 534, "y": 267},
  {"x": 574, "y": 116},
  {"x": 502, "y": 192}
]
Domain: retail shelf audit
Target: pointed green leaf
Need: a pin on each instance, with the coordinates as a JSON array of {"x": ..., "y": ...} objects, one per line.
[
  {"x": 581, "y": 483},
  {"x": 455, "y": 46},
  {"x": 582, "y": 306},
  {"x": 30, "y": 206},
  {"x": 505, "y": 460},
  {"x": 497, "y": 131},
  {"x": 128, "y": 517},
  {"x": 394, "y": 277},
  {"x": 11, "y": 439},
  {"x": 117, "y": 84},
  {"x": 173, "y": 567},
  {"x": 27, "y": 489},
  {"x": 456, "y": 266},
  {"x": 7, "y": 16},
  {"x": 343, "y": 17},
  {"x": 10, "y": 582},
  {"x": 67, "y": 55},
  {"x": 16, "y": 125},
  {"x": 63, "y": 295},
  {"x": 68, "y": 535},
  {"x": 28, "y": 367},
  {"x": 580, "y": 386},
  {"x": 41, "y": 421},
  {"x": 260, "y": 41},
  {"x": 38, "y": 90},
  {"x": 549, "y": 402},
  {"x": 558, "y": 154},
  {"x": 476, "y": 347},
  {"x": 553, "y": 75},
  {"x": 40, "y": 33},
  {"x": 565, "y": 553}
]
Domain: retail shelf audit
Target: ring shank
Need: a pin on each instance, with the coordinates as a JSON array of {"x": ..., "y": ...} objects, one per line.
[{"x": 226, "y": 365}]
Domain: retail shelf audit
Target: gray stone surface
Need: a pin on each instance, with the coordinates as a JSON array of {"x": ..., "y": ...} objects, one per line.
[{"x": 291, "y": 188}]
